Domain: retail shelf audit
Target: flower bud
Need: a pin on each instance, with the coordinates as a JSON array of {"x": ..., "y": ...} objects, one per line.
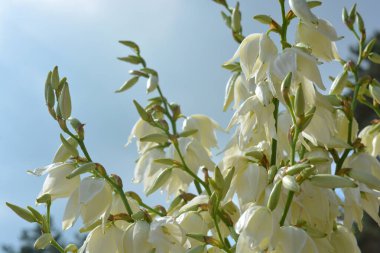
[
  {"x": 152, "y": 83},
  {"x": 375, "y": 92},
  {"x": 64, "y": 102},
  {"x": 274, "y": 196},
  {"x": 55, "y": 78},
  {"x": 365, "y": 178},
  {"x": 299, "y": 103},
  {"x": 71, "y": 248},
  {"x": 128, "y": 84},
  {"x": 159, "y": 181},
  {"x": 236, "y": 18},
  {"x": 339, "y": 83},
  {"x": 289, "y": 182},
  {"x": 264, "y": 19},
  {"x": 21, "y": 212},
  {"x": 285, "y": 88},
  {"x": 43, "y": 241},
  {"x": 331, "y": 181},
  {"x": 368, "y": 48},
  {"x": 297, "y": 168},
  {"x": 374, "y": 57}
]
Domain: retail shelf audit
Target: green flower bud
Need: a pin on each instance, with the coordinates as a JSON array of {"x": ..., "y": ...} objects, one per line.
[
  {"x": 236, "y": 19},
  {"x": 43, "y": 241},
  {"x": 274, "y": 196},
  {"x": 289, "y": 182},
  {"x": 22, "y": 213},
  {"x": 299, "y": 103},
  {"x": 374, "y": 57},
  {"x": 331, "y": 181},
  {"x": 64, "y": 102},
  {"x": 55, "y": 78},
  {"x": 159, "y": 181}
]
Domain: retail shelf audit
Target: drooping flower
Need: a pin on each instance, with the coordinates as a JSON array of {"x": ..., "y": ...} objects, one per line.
[
  {"x": 56, "y": 184},
  {"x": 293, "y": 240},
  {"x": 302, "y": 11},
  {"x": 167, "y": 236},
  {"x": 135, "y": 238},
  {"x": 101, "y": 240},
  {"x": 92, "y": 201},
  {"x": 256, "y": 52},
  {"x": 343, "y": 241},
  {"x": 370, "y": 137},
  {"x": 321, "y": 39},
  {"x": 205, "y": 127},
  {"x": 256, "y": 227}
]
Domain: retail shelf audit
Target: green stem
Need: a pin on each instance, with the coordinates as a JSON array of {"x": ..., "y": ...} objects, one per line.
[
  {"x": 56, "y": 245},
  {"x": 120, "y": 191},
  {"x": 274, "y": 141},
  {"x": 287, "y": 207},
  {"x": 151, "y": 209}
]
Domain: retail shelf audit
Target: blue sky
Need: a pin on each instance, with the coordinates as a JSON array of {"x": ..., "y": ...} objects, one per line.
[{"x": 186, "y": 41}]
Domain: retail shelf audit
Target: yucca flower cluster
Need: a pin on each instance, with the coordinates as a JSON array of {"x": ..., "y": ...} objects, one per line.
[{"x": 295, "y": 176}]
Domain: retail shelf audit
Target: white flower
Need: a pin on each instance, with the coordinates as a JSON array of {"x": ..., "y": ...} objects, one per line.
[
  {"x": 142, "y": 129},
  {"x": 255, "y": 121},
  {"x": 118, "y": 208},
  {"x": 256, "y": 227},
  {"x": 193, "y": 223},
  {"x": 343, "y": 241},
  {"x": 135, "y": 238},
  {"x": 167, "y": 236},
  {"x": 56, "y": 184},
  {"x": 304, "y": 68},
  {"x": 319, "y": 38},
  {"x": 100, "y": 241},
  {"x": 206, "y": 129},
  {"x": 256, "y": 53},
  {"x": 302, "y": 11},
  {"x": 370, "y": 137},
  {"x": 92, "y": 201},
  {"x": 238, "y": 89},
  {"x": 293, "y": 240}
]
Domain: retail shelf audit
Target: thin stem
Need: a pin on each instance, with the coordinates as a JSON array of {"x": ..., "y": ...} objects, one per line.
[
  {"x": 56, "y": 245},
  {"x": 151, "y": 209},
  {"x": 120, "y": 191},
  {"x": 287, "y": 207},
  {"x": 274, "y": 141}
]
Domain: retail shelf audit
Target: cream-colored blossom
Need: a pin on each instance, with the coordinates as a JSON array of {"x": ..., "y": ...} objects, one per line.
[
  {"x": 321, "y": 39},
  {"x": 370, "y": 137},
  {"x": 344, "y": 241},
  {"x": 135, "y": 238},
  {"x": 302, "y": 11},
  {"x": 102, "y": 240},
  {"x": 293, "y": 240}
]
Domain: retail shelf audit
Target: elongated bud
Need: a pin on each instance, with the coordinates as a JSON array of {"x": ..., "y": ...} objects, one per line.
[
  {"x": 160, "y": 180},
  {"x": 346, "y": 19},
  {"x": 39, "y": 218},
  {"x": 236, "y": 18},
  {"x": 361, "y": 25},
  {"x": 353, "y": 13},
  {"x": 117, "y": 180},
  {"x": 331, "y": 181},
  {"x": 307, "y": 119},
  {"x": 274, "y": 196},
  {"x": 87, "y": 167},
  {"x": 285, "y": 88},
  {"x": 368, "y": 48},
  {"x": 64, "y": 102},
  {"x": 55, "y": 78},
  {"x": 176, "y": 110},
  {"x": 43, "y": 241},
  {"x": 297, "y": 168},
  {"x": 128, "y": 84},
  {"x": 213, "y": 204},
  {"x": 264, "y": 19},
  {"x": 289, "y": 182},
  {"x": 374, "y": 57},
  {"x": 299, "y": 103},
  {"x": 257, "y": 155},
  {"x": 134, "y": 196},
  {"x": 272, "y": 173},
  {"x": 339, "y": 83},
  {"x": 49, "y": 92},
  {"x": 22, "y": 213},
  {"x": 143, "y": 114},
  {"x": 152, "y": 83}
]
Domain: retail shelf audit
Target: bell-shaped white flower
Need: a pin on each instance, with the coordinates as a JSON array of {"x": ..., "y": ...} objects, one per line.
[
  {"x": 238, "y": 89},
  {"x": 344, "y": 241},
  {"x": 302, "y": 11},
  {"x": 193, "y": 223},
  {"x": 205, "y": 127},
  {"x": 56, "y": 184},
  {"x": 256, "y": 52},
  {"x": 102, "y": 240},
  {"x": 118, "y": 207},
  {"x": 256, "y": 227},
  {"x": 140, "y": 130},
  {"x": 370, "y": 137},
  {"x": 293, "y": 240},
  {"x": 255, "y": 121},
  {"x": 321, "y": 39},
  {"x": 167, "y": 236},
  {"x": 135, "y": 238},
  {"x": 92, "y": 201},
  {"x": 146, "y": 166},
  {"x": 304, "y": 68}
]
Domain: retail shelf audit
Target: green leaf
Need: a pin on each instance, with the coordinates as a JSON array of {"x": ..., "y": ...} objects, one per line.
[
  {"x": 141, "y": 111},
  {"x": 160, "y": 180},
  {"x": 188, "y": 133},
  {"x": 128, "y": 84},
  {"x": 158, "y": 138},
  {"x": 131, "y": 59},
  {"x": 132, "y": 45},
  {"x": 22, "y": 213}
]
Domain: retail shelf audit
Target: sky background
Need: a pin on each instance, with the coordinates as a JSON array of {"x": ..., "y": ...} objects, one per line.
[{"x": 185, "y": 40}]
